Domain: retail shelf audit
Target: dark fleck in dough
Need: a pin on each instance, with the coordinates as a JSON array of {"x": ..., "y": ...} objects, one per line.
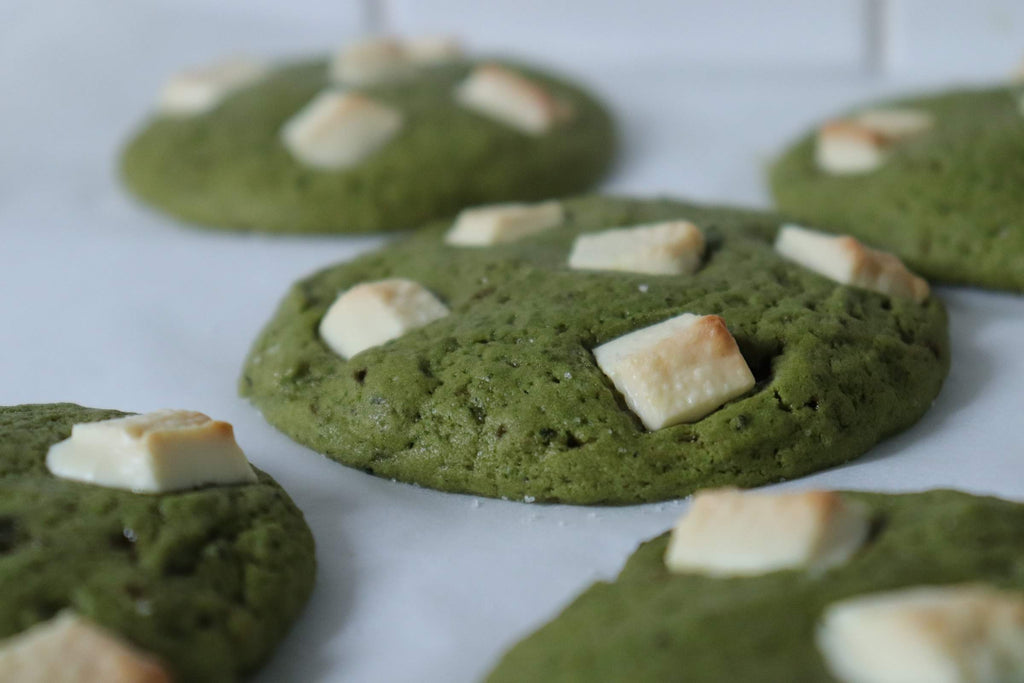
[
  {"x": 503, "y": 397},
  {"x": 228, "y": 169},
  {"x": 652, "y": 625},
  {"x": 209, "y": 580},
  {"x": 948, "y": 201}
]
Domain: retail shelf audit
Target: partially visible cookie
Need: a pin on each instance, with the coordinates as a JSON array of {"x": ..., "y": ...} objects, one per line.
[
  {"x": 385, "y": 135},
  {"x": 600, "y": 350},
  {"x": 934, "y": 179},
  {"x": 180, "y": 562},
  {"x": 927, "y": 587}
]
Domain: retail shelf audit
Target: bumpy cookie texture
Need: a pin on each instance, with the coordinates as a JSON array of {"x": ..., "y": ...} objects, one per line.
[
  {"x": 946, "y": 200},
  {"x": 207, "y": 580},
  {"x": 503, "y": 396},
  {"x": 651, "y": 625},
  {"x": 227, "y": 168}
]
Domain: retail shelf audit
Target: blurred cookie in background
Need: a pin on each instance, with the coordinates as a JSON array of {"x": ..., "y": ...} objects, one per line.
[
  {"x": 384, "y": 135},
  {"x": 935, "y": 179}
]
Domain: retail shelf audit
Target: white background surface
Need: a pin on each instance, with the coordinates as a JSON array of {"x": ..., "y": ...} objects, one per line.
[{"x": 107, "y": 304}]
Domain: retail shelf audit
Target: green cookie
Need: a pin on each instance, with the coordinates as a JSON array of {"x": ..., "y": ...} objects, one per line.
[
  {"x": 653, "y": 625},
  {"x": 948, "y": 201},
  {"x": 228, "y": 168},
  {"x": 209, "y": 580},
  {"x": 503, "y": 396}
]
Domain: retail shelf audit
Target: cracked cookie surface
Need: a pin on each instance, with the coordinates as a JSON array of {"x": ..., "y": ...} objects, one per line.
[
  {"x": 503, "y": 396},
  {"x": 209, "y": 580}
]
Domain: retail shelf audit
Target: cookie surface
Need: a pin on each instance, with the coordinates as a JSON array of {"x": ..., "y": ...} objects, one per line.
[
  {"x": 208, "y": 580},
  {"x": 503, "y": 397},
  {"x": 947, "y": 201},
  {"x": 651, "y": 625},
  {"x": 227, "y": 168}
]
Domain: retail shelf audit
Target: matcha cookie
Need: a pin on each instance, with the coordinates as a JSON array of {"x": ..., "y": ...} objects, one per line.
[
  {"x": 935, "y": 179},
  {"x": 934, "y": 585},
  {"x": 478, "y": 355},
  {"x": 195, "y": 579},
  {"x": 384, "y": 136}
]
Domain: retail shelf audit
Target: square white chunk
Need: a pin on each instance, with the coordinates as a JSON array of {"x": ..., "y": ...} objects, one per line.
[
  {"x": 389, "y": 59},
  {"x": 167, "y": 450},
  {"x": 932, "y": 634},
  {"x": 847, "y": 261},
  {"x": 678, "y": 370},
  {"x": 337, "y": 130},
  {"x": 669, "y": 248},
  {"x": 201, "y": 89},
  {"x": 848, "y": 148},
  {"x": 433, "y": 49},
  {"x": 372, "y": 313},
  {"x": 372, "y": 60},
  {"x": 71, "y": 649},
  {"x": 895, "y": 123},
  {"x": 498, "y": 223},
  {"x": 730, "y": 533},
  {"x": 512, "y": 99},
  {"x": 861, "y": 144}
]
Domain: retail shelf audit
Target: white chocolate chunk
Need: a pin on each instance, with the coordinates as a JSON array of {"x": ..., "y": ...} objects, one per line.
[
  {"x": 848, "y": 148},
  {"x": 669, "y": 248},
  {"x": 861, "y": 144},
  {"x": 847, "y": 261},
  {"x": 387, "y": 59},
  {"x": 512, "y": 99},
  {"x": 200, "y": 89},
  {"x": 373, "y": 60},
  {"x": 895, "y": 123},
  {"x": 339, "y": 129},
  {"x": 372, "y": 313},
  {"x": 71, "y": 649},
  {"x": 498, "y": 223},
  {"x": 678, "y": 370},
  {"x": 929, "y": 634},
  {"x": 730, "y": 533},
  {"x": 432, "y": 49},
  {"x": 166, "y": 450}
]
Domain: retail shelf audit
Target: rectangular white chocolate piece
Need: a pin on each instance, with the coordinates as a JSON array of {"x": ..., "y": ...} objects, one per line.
[
  {"x": 847, "y": 261},
  {"x": 670, "y": 248},
  {"x": 432, "y": 49},
  {"x": 860, "y": 144},
  {"x": 337, "y": 130},
  {"x": 930, "y": 634},
  {"x": 511, "y": 98},
  {"x": 198, "y": 90},
  {"x": 373, "y": 60},
  {"x": 498, "y": 223},
  {"x": 895, "y": 123},
  {"x": 381, "y": 60},
  {"x": 730, "y": 533},
  {"x": 848, "y": 148},
  {"x": 372, "y": 313},
  {"x": 166, "y": 450},
  {"x": 71, "y": 649},
  {"x": 678, "y": 370}
]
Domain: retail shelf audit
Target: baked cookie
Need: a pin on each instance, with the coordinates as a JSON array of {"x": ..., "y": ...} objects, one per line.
[
  {"x": 178, "y": 562},
  {"x": 812, "y": 586},
  {"x": 385, "y": 135},
  {"x": 601, "y": 350},
  {"x": 935, "y": 179}
]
